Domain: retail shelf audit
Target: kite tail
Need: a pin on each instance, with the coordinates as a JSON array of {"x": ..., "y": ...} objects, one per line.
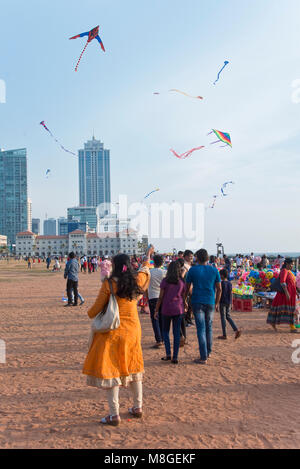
[{"x": 76, "y": 68}]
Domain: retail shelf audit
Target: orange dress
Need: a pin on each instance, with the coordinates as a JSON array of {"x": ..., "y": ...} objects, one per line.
[{"x": 115, "y": 358}]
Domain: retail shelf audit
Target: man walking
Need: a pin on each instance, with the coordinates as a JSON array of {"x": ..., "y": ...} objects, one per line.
[
  {"x": 206, "y": 296},
  {"x": 71, "y": 273}
]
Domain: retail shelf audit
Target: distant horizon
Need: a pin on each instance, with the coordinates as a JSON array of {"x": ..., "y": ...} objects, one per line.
[{"x": 111, "y": 97}]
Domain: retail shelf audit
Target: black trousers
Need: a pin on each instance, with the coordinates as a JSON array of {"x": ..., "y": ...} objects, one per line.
[{"x": 72, "y": 286}]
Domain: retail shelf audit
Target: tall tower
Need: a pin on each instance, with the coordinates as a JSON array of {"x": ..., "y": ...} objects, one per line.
[
  {"x": 13, "y": 193},
  {"x": 94, "y": 174}
]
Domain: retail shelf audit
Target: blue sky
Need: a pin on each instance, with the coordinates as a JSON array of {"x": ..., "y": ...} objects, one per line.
[{"x": 155, "y": 46}]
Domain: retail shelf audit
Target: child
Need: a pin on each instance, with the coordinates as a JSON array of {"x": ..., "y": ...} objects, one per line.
[
  {"x": 172, "y": 293},
  {"x": 105, "y": 268},
  {"x": 225, "y": 304}
]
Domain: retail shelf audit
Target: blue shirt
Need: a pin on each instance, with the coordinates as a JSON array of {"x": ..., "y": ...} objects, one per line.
[
  {"x": 204, "y": 279},
  {"x": 71, "y": 270}
]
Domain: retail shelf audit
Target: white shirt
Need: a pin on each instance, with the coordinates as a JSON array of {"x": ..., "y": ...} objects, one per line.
[{"x": 157, "y": 276}]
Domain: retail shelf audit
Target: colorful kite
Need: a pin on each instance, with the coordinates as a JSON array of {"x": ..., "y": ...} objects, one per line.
[
  {"x": 222, "y": 136},
  {"x": 225, "y": 64},
  {"x": 186, "y": 94},
  {"x": 61, "y": 146},
  {"x": 92, "y": 34},
  {"x": 148, "y": 195},
  {"x": 183, "y": 156},
  {"x": 224, "y": 187}
]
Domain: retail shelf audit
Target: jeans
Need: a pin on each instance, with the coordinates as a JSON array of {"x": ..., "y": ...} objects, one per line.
[
  {"x": 183, "y": 328},
  {"x": 156, "y": 323},
  {"x": 72, "y": 286},
  {"x": 176, "y": 321},
  {"x": 225, "y": 314},
  {"x": 204, "y": 315}
]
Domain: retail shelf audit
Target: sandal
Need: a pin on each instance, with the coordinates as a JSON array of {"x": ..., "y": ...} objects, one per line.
[
  {"x": 135, "y": 412},
  {"x": 114, "y": 421}
]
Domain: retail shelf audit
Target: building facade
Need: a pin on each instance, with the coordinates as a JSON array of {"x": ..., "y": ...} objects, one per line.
[
  {"x": 112, "y": 224},
  {"x": 36, "y": 226},
  {"x": 3, "y": 241},
  {"x": 66, "y": 227},
  {"x": 87, "y": 215},
  {"x": 50, "y": 227},
  {"x": 13, "y": 193},
  {"x": 29, "y": 215},
  {"x": 94, "y": 174},
  {"x": 90, "y": 244}
]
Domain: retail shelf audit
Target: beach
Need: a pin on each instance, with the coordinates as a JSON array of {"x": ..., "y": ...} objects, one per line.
[{"x": 246, "y": 397}]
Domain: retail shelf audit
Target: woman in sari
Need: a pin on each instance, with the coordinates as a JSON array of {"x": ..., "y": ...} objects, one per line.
[
  {"x": 115, "y": 358},
  {"x": 283, "y": 309}
]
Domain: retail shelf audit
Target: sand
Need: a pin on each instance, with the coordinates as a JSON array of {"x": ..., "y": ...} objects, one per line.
[{"x": 247, "y": 397}]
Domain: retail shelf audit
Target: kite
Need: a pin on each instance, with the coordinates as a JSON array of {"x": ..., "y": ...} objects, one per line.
[
  {"x": 148, "y": 195},
  {"x": 61, "y": 146},
  {"x": 47, "y": 173},
  {"x": 186, "y": 94},
  {"x": 224, "y": 187},
  {"x": 225, "y": 64},
  {"x": 92, "y": 34},
  {"x": 214, "y": 201},
  {"x": 187, "y": 153},
  {"x": 222, "y": 136}
]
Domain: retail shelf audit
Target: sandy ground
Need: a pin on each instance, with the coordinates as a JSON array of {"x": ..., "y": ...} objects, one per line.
[{"x": 247, "y": 397}]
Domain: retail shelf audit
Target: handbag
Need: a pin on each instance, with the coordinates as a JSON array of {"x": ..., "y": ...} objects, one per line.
[
  {"x": 108, "y": 319},
  {"x": 276, "y": 286}
]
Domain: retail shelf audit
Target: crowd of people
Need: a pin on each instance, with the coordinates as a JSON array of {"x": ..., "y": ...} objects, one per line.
[{"x": 183, "y": 291}]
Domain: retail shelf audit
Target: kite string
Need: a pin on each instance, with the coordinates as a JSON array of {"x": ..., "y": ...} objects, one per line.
[{"x": 76, "y": 68}]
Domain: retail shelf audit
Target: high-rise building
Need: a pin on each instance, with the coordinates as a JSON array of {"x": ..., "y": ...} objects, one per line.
[
  {"x": 13, "y": 193},
  {"x": 29, "y": 215},
  {"x": 36, "y": 226},
  {"x": 94, "y": 174},
  {"x": 66, "y": 227},
  {"x": 85, "y": 215},
  {"x": 50, "y": 227}
]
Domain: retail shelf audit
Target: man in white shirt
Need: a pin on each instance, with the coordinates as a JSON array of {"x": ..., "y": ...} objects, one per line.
[
  {"x": 157, "y": 275},
  {"x": 188, "y": 258}
]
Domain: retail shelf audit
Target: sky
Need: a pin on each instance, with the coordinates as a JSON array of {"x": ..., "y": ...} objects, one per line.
[{"x": 153, "y": 47}]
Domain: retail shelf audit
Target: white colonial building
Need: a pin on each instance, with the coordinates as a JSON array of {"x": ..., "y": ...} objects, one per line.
[
  {"x": 98, "y": 244},
  {"x": 3, "y": 241}
]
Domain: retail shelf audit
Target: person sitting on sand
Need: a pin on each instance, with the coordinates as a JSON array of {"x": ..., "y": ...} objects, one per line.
[
  {"x": 172, "y": 301},
  {"x": 115, "y": 358},
  {"x": 225, "y": 305}
]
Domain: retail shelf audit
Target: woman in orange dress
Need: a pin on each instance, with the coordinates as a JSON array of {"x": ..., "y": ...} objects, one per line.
[{"x": 115, "y": 358}]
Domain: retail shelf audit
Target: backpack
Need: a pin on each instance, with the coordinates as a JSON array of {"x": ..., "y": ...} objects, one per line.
[{"x": 276, "y": 286}]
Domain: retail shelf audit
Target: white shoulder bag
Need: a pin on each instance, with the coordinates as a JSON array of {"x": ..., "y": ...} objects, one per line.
[{"x": 108, "y": 319}]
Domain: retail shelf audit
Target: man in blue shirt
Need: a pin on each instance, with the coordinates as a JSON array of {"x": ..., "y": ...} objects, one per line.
[
  {"x": 71, "y": 273},
  {"x": 207, "y": 290}
]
